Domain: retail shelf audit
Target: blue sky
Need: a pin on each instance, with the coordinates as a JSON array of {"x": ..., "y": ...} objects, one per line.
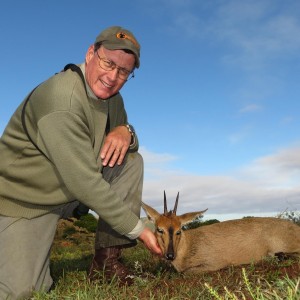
[{"x": 215, "y": 102}]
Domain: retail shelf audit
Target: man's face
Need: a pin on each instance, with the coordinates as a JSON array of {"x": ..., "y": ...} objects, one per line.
[{"x": 104, "y": 83}]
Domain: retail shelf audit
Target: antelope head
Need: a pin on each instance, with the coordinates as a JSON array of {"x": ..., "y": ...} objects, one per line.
[{"x": 169, "y": 226}]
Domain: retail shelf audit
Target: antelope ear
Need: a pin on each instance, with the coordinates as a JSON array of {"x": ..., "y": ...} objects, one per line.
[
  {"x": 190, "y": 217},
  {"x": 151, "y": 213}
]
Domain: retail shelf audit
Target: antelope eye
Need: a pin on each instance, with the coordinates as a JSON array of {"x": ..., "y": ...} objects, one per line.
[
  {"x": 178, "y": 232},
  {"x": 159, "y": 230}
]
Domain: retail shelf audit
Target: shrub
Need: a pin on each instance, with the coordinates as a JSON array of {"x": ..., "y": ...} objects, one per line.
[
  {"x": 88, "y": 222},
  {"x": 198, "y": 222},
  {"x": 208, "y": 222},
  {"x": 293, "y": 216},
  {"x": 68, "y": 231}
]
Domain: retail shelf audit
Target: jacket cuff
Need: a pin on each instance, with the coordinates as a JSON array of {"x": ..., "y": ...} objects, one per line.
[{"x": 137, "y": 230}]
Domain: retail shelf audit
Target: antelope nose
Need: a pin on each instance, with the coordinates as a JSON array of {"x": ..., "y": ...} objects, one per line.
[{"x": 170, "y": 256}]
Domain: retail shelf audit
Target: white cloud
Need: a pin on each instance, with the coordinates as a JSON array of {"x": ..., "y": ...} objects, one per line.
[
  {"x": 267, "y": 185},
  {"x": 156, "y": 158},
  {"x": 256, "y": 32},
  {"x": 259, "y": 31},
  {"x": 287, "y": 120},
  {"x": 240, "y": 135},
  {"x": 250, "y": 108},
  {"x": 279, "y": 170}
]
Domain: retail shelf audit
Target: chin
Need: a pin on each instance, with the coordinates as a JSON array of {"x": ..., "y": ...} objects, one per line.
[{"x": 104, "y": 96}]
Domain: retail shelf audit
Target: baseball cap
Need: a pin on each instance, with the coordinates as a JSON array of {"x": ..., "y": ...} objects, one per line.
[{"x": 117, "y": 38}]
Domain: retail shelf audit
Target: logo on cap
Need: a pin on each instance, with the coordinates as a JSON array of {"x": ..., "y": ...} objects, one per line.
[{"x": 124, "y": 36}]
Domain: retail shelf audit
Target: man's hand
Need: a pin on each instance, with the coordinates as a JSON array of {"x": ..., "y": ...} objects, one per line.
[
  {"x": 150, "y": 241},
  {"x": 115, "y": 146}
]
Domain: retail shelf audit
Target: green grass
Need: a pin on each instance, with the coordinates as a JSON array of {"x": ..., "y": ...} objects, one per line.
[{"x": 72, "y": 253}]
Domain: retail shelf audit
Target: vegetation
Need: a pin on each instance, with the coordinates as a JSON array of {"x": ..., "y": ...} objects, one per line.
[
  {"x": 88, "y": 222},
  {"x": 199, "y": 222},
  {"x": 155, "y": 279},
  {"x": 293, "y": 216}
]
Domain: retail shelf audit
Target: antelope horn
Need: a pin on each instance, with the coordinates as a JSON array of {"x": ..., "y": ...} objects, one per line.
[
  {"x": 176, "y": 203},
  {"x": 165, "y": 204}
]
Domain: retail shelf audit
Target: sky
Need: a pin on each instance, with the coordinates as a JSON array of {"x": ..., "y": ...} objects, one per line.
[{"x": 215, "y": 102}]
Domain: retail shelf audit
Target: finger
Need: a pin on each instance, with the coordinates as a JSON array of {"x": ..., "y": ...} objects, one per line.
[
  {"x": 108, "y": 155},
  {"x": 156, "y": 249},
  {"x": 122, "y": 155},
  {"x": 105, "y": 148},
  {"x": 153, "y": 245},
  {"x": 114, "y": 157}
]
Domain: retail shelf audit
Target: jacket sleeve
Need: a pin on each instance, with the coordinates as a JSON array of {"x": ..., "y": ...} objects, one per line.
[{"x": 67, "y": 142}]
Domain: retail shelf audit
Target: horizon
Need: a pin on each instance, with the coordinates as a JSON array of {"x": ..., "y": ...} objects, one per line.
[{"x": 215, "y": 103}]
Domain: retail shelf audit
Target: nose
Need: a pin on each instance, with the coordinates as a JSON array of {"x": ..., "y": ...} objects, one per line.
[
  {"x": 113, "y": 74},
  {"x": 170, "y": 256}
]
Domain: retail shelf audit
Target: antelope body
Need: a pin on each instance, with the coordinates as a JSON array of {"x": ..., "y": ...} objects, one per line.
[{"x": 213, "y": 247}]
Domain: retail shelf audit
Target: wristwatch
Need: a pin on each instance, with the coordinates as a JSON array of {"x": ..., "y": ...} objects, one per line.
[{"x": 131, "y": 131}]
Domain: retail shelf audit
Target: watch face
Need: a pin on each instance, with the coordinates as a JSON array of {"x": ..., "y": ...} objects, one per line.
[{"x": 130, "y": 128}]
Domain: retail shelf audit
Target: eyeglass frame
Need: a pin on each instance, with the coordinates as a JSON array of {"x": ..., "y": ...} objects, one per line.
[{"x": 114, "y": 66}]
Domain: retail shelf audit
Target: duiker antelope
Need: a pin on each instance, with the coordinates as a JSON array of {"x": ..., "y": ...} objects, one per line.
[{"x": 213, "y": 247}]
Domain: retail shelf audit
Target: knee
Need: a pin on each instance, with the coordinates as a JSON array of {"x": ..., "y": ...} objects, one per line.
[
  {"x": 135, "y": 162},
  {"x": 136, "y": 158}
]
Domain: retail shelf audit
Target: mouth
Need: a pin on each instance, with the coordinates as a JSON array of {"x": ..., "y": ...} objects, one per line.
[{"x": 108, "y": 86}]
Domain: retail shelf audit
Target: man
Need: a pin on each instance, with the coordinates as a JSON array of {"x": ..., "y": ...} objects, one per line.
[{"x": 71, "y": 142}]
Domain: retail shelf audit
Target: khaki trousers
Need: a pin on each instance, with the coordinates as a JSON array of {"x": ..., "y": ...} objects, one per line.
[{"x": 25, "y": 244}]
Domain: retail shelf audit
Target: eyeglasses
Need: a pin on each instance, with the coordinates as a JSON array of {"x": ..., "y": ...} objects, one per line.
[{"x": 109, "y": 65}]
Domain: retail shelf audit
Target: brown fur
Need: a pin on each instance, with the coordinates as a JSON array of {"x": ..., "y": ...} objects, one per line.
[{"x": 213, "y": 247}]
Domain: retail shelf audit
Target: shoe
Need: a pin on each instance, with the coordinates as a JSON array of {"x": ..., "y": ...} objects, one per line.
[{"x": 106, "y": 266}]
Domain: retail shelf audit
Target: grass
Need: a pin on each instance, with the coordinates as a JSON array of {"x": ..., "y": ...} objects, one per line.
[{"x": 72, "y": 253}]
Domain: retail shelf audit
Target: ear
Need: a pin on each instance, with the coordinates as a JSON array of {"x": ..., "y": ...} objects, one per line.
[
  {"x": 89, "y": 54},
  {"x": 151, "y": 213},
  {"x": 190, "y": 217}
]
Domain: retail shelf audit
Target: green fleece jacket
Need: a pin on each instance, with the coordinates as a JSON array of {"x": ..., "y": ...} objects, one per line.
[{"x": 69, "y": 127}]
